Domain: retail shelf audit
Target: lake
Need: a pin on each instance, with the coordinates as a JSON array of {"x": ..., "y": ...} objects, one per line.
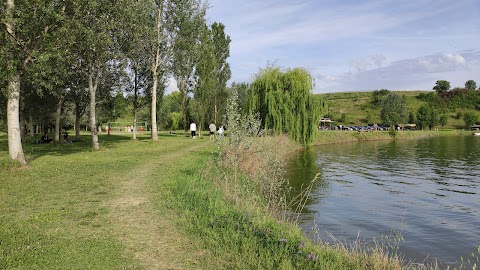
[{"x": 426, "y": 189}]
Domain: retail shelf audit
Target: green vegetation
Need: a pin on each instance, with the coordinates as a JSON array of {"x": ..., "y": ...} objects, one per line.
[
  {"x": 177, "y": 204},
  {"x": 285, "y": 102},
  {"x": 394, "y": 109},
  {"x": 77, "y": 209},
  {"x": 426, "y": 109},
  {"x": 362, "y": 106}
]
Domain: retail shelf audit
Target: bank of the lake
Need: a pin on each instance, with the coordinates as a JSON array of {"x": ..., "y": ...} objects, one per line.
[{"x": 335, "y": 136}]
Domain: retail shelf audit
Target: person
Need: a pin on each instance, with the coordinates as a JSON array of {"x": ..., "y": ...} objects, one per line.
[
  {"x": 66, "y": 139},
  {"x": 45, "y": 138},
  {"x": 220, "y": 131},
  {"x": 212, "y": 128},
  {"x": 193, "y": 130},
  {"x": 141, "y": 129}
]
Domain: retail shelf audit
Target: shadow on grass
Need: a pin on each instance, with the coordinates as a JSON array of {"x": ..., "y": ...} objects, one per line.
[{"x": 33, "y": 150}]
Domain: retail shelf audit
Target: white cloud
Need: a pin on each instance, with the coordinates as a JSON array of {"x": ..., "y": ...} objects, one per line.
[
  {"x": 325, "y": 35},
  {"x": 379, "y": 59},
  {"x": 402, "y": 74}
]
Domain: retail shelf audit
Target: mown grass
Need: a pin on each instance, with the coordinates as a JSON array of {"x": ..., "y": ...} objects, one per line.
[{"x": 55, "y": 213}]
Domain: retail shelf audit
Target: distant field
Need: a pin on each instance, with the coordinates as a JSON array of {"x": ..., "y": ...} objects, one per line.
[{"x": 358, "y": 107}]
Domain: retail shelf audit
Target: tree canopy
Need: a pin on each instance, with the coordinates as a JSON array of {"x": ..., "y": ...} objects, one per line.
[
  {"x": 394, "y": 109},
  {"x": 284, "y": 101},
  {"x": 57, "y": 55}
]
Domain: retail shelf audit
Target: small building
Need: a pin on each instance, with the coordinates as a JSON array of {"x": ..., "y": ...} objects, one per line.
[
  {"x": 407, "y": 126},
  {"x": 475, "y": 127},
  {"x": 325, "y": 123}
]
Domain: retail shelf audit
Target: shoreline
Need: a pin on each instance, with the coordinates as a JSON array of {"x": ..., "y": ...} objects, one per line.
[{"x": 336, "y": 136}]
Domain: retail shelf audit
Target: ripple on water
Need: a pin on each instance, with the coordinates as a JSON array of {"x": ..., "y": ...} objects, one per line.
[{"x": 429, "y": 188}]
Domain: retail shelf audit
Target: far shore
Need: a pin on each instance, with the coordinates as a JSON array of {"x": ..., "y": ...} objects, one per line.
[{"x": 337, "y": 136}]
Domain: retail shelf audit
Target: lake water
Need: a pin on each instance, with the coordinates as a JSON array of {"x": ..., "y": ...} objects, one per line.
[{"x": 427, "y": 189}]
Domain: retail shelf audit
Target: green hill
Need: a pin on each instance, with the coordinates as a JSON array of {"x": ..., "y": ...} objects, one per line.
[{"x": 359, "y": 108}]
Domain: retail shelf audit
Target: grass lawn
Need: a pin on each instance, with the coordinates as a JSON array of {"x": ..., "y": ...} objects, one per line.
[{"x": 72, "y": 208}]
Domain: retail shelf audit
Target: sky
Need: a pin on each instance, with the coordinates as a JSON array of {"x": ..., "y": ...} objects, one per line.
[{"x": 355, "y": 45}]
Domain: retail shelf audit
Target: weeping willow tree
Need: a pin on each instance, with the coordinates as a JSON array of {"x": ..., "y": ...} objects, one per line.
[{"x": 285, "y": 102}]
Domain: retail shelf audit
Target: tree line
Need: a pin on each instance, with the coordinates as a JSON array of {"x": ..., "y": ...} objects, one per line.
[
  {"x": 437, "y": 104},
  {"x": 86, "y": 56}
]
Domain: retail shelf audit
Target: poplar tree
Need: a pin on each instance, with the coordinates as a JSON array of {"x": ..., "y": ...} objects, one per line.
[
  {"x": 93, "y": 23},
  {"x": 213, "y": 72},
  {"x": 136, "y": 35},
  {"x": 222, "y": 72},
  {"x": 26, "y": 28},
  {"x": 189, "y": 15},
  {"x": 204, "y": 92}
]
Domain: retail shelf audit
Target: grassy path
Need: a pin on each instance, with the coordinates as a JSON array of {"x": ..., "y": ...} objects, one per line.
[{"x": 149, "y": 234}]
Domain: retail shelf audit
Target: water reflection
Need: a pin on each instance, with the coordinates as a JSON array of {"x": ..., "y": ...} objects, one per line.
[
  {"x": 302, "y": 169},
  {"x": 427, "y": 187}
]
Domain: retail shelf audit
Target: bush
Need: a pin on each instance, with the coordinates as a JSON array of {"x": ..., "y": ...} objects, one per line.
[{"x": 470, "y": 119}]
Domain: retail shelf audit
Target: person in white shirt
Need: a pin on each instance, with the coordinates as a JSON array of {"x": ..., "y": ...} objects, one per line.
[
  {"x": 220, "y": 131},
  {"x": 193, "y": 130},
  {"x": 212, "y": 129}
]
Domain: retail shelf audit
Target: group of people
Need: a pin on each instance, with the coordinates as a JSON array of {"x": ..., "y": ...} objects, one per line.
[
  {"x": 212, "y": 128},
  {"x": 46, "y": 139}
]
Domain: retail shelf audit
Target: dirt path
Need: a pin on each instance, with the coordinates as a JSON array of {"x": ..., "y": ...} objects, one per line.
[{"x": 148, "y": 233}]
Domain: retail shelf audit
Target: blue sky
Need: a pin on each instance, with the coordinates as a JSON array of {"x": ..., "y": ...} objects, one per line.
[{"x": 353, "y": 45}]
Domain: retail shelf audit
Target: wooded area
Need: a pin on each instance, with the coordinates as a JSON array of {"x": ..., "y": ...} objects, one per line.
[{"x": 65, "y": 60}]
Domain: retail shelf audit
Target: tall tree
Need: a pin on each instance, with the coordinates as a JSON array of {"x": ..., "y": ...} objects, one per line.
[
  {"x": 93, "y": 23},
  {"x": 442, "y": 86},
  {"x": 13, "y": 67},
  {"x": 394, "y": 109},
  {"x": 285, "y": 102},
  {"x": 137, "y": 33},
  {"x": 78, "y": 95},
  {"x": 160, "y": 56},
  {"x": 189, "y": 15},
  {"x": 27, "y": 26},
  {"x": 222, "y": 72},
  {"x": 204, "y": 72},
  {"x": 470, "y": 85}
]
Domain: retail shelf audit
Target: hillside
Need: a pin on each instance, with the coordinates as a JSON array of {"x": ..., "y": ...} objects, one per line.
[{"x": 359, "y": 108}]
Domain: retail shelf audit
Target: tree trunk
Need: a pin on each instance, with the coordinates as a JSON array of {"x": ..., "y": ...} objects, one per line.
[
  {"x": 30, "y": 125},
  {"x": 216, "y": 123},
  {"x": 154, "y": 105},
  {"x": 15, "y": 149},
  {"x": 77, "y": 123},
  {"x": 23, "y": 121},
  {"x": 57, "y": 119},
  {"x": 135, "y": 98},
  {"x": 92, "y": 89},
  {"x": 154, "y": 70}
]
